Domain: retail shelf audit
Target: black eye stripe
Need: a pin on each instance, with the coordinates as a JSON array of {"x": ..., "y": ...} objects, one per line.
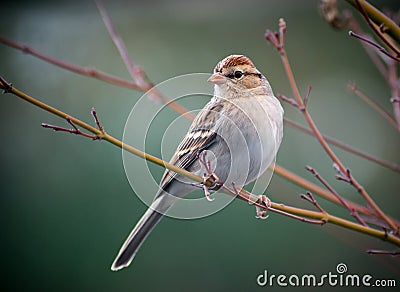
[
  {"x": 256, "y": 74},
  {"x": 232, "y": 75}
]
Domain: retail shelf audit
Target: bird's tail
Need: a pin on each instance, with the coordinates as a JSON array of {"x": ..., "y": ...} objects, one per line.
[{"x": 138, "y": 235}]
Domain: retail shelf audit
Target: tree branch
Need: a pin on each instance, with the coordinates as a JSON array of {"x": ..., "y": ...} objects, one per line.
[
  {"x": 388, "y": 164},
  {"x": 379, "y": 18},
  {"x": 274, "y": 39},
  {"x": 93, "y": 73}
]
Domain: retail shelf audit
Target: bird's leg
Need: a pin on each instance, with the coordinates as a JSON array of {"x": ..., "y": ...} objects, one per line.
[{"x": 210, "y": 179}]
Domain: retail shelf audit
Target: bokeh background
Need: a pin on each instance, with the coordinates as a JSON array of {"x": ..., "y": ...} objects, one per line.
[{"x": 66, "y": 205}]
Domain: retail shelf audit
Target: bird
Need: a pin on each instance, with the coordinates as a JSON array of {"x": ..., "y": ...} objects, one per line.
[{"x": 240, "y": 129}]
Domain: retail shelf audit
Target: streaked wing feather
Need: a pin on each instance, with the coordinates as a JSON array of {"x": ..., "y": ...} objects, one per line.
[{"x": 200, "y": 136}]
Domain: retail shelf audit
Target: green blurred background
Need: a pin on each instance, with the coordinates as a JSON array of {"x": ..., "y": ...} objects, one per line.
[{"x": 66, "y": 205}]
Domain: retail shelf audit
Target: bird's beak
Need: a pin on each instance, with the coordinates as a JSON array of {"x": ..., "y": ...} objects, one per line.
[{"x": 217, "y": 79}]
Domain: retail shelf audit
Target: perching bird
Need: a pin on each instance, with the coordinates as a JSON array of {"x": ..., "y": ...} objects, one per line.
[{"x": 242, "y": 126}]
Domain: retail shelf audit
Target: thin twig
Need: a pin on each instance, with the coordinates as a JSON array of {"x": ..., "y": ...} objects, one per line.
[
  {"x": 384, "y": 252},
  {"x": 353, "y": 88},
  {"x": 394, "y": 88},
  {"x": 389, "y": 74},
  {"x": 332, "y": 141},
  {"x": 379, "y": 18},
  {"x": 388, "y": 164},
  {"x": 310, "y": 198},
  {"x": 339, "y": 197},
  {"x": 309, "y": 87},
  {"x": 306, "y": 184},
  {"x": 96, "y": 119},
  {"x": 288, "y": 100},
  {"x": 85, "y": 71},
  {"x": 374, "y": 44},
  {"x": 75, "y": 129},
  {"x": 136, "y": 73},
  {"x": 372, "y": 53},
  {"x": 7, "y": 87},
  {"x": 377, "y": 31}
]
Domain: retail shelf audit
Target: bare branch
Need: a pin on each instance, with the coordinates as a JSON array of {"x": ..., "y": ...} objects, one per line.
[
  {"x": 378, "y": 32},
  {"x": 96, "y": 119},
  {"x": 391, "y": 27},
  {"x": 388, "y": 164},
  {"x": 310, "y": 198},
  {"x": 135, "y": 71},
  {"x": 309, "y": 87},
  {"x": 7, "y": 87},
  {"x": 318, "y": 134},
  {"x": 339, "y": 197},
  {"x": 371, "y": 52},
  {"x": 374, "y": 44},
  {"x": 353, "y": 88},
  {"x": 288, "y": 100},
  {"x": 384, "y": 252},
  {"x": 75, "y": 129},
  {"x": 393, "y": 80},
  {"x": 94, "y": 73},
  {"x": 85, "y": 71}
]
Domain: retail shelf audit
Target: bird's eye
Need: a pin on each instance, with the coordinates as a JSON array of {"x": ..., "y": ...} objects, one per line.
[{"x": 238, "y": 74}]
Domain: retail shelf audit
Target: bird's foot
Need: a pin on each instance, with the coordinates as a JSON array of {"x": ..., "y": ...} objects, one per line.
[
  {"x": 261, "y": 213},
  {"x": 210, "y": 182}
]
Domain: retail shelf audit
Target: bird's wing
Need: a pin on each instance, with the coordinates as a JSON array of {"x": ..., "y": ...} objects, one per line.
[{"x": 201, "y": 136}]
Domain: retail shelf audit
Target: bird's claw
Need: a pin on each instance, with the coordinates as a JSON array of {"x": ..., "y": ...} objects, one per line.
[
  {"x": 261, "y": 213},
  {"x": 214, "y": 180}
]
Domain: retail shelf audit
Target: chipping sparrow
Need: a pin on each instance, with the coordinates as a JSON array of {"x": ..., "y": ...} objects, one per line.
[{"x": 241, "y": 128}]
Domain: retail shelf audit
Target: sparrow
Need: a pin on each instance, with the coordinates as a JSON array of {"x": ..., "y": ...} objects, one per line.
[{"x": 240, "y": 129}]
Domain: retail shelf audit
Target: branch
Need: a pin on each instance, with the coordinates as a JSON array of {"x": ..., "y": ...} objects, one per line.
[
  {"x": 389, "y": 72},
  {"x": 7, "y": 87},
  {"x": 384, "y": 252},
  {"x": 353, "y": 88},
  {"x": 339, "y": 197},
  {"x": 275, "y": 207},
  {"x": 274, "y": 39},
  {"x": 375, "y": 58},
  {"x": 75, "y": 129},
  {"x": 310, "y": 198},
  {"x": 91, "y": 72},
  {"x": 378, "y": 33},
  {"x": 137, "y": 74},
  {"x": 379, "y": 18},
  {"x": 306, "y": 184},
  {"x": 394, "y": 88},
  {"x": 331, "y": 14},
  {"x": 85, "y": 71},
  {"x": 388, "y": 164},
  {"x": 374, "y": 44}
]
